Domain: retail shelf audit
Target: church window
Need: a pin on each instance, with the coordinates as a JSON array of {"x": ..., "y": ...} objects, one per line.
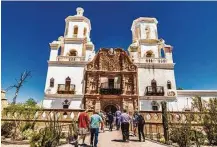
[
  {"x": 154, "y": 86},
  {"x": 153, "y": 83},
  {"x": 52, "y": 82},
  {"x": 85, "y": 31},
  {"x": 169, "y": 85},
  {"x": 147, "y": 31},
  {"x": 155, "y": 106},
  {"x": 75, "y": 31},
  {"x": 67, "y": 84},
  {"x": 162, "y": 53},
  {"x": 66, "y": 104}
]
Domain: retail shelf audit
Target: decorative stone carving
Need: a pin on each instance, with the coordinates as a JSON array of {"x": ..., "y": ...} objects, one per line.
[
  {"x": 171, "y": 93},
  {"x": 90, "y": 104},
  {"x": 91, "y": 84}
]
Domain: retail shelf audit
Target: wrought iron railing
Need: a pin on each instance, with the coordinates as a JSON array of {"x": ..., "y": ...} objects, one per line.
[
  {"x": 110, "y": 90},
  {"x": 64, "y": 89},
  {"x": 154, "y": 91}
]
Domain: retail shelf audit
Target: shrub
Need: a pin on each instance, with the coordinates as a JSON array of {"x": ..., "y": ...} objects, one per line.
[
  {"x": 27, "y": 134},
  {"x": 6, "y": 129},
  {"x": 162, "y": 140}
]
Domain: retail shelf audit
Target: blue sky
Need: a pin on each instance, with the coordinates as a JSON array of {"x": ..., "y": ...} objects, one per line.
[{"x": 29, "y": 27}]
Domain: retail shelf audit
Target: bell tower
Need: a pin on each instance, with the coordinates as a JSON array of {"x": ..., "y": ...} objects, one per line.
[
  {"x": 154, "y": 61},
  {"x": 76, "y": 41}
]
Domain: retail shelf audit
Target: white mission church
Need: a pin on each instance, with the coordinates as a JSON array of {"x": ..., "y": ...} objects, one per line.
[{"x": 80, "y": 78}]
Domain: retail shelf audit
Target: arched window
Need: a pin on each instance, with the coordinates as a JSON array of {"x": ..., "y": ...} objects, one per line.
[
  {"x": 67, "y": 84},
  {"x": 155, "y": 106},
  {"x": 169, "y": 85},
  {"x": 72, "y": 52},
  {"x": 149, "y": 54},
  {"x": 75, "y": 31},
  {"x": 85, "y": 31},
  {"x": 162, "y": 53},
  {"x": 154, "y": 86},
  {"x": 66, "y": 104},
  {"x": 52, "y": 82},
  {"x": 153, "y": 83},
  {"x": 147, "y": 32}
]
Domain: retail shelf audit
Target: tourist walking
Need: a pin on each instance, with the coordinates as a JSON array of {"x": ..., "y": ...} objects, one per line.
[
  {"x": 83, "y": 124},
  {"x": 135, "y": 123},
  {"x": 141, "y": 123},
  {"x": 101, "y": 114},
  {"x": 110, "y": 120},
  {"x": 95, "y": 121},
  {"x": 125, "y": 121},
  {"x": 117, "y": 121}
]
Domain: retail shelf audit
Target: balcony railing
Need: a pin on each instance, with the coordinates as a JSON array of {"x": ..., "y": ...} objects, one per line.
[
  {"x": 105, "y": 89},
  {"x": 152, "y": 60},
  {"x": 63, "y": 89},
  {"x": 70, "y": 58},
  {"x": 154, "y": 91}
]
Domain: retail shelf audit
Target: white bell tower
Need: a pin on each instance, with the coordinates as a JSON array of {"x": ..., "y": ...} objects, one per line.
[{"x": 155, "y": 63}]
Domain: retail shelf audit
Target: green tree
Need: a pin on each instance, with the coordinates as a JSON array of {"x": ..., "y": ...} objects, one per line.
[{"x": 31, "y": 103}]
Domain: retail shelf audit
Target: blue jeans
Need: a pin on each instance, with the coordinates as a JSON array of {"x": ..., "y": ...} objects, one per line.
[{"x": 94, "y": 134}]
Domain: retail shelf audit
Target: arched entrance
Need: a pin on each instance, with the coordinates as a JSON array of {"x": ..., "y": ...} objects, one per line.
[{"x": 111, "y": 108}]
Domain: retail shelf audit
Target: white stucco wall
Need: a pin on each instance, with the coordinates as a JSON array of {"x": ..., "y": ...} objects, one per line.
[
  {"x": 57, "y": 103},
  {"x": 60, "y": 73},
  {"x": 183, "y": 101},
  {"x": 53, "y": 54},
  {"x": 145, "y": 76}
]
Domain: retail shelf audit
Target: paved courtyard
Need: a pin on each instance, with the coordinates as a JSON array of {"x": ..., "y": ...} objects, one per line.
[
  {"x": 114, "y": 139},
  {"x": 109, "y": 139}
]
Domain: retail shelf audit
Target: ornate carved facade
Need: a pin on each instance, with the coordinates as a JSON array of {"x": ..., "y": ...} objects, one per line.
[{"x": 111, "y": 79}]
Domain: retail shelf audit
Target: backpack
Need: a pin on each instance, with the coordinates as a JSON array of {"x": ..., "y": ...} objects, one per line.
[{"x": 141, "y": 119}]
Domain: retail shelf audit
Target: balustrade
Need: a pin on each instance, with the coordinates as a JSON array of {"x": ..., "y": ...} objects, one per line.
[
  {"x": 152, "y": 60},
  {"x": 70, "y": 58}
]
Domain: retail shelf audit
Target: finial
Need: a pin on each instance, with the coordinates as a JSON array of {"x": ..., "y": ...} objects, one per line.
[{"x": 80, "y": 11}]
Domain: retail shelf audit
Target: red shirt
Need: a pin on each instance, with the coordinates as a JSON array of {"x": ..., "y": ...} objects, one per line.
[{"x": 83, "y": 120}]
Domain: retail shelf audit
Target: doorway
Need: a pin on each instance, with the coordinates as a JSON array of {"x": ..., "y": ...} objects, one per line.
[
  {"x": 111, "y": 108},
  {"x": 111, "y": 83}
]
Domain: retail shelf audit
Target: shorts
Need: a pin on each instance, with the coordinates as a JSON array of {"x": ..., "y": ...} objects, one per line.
[{"x": 83, "y": 131}]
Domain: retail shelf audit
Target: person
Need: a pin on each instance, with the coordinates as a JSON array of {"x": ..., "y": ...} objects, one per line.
[
  {"x": 125, "y": 120},
  {"x": 95, "y": 121},
  {"x": 101, "y": 114},
  {"x": 117, "y": 115},
  {"x": 110, "y": 120},
  {"x": 141, "y": 123},
  {"x": 83, "y": 124},
  {"x": 135, "y": 123}
]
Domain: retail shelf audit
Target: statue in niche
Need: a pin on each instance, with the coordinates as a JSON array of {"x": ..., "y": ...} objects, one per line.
[
  {"x": 147, "y": 31},
  {"x": 89, "y": 104},
  {"x": 92, "y": 83}
]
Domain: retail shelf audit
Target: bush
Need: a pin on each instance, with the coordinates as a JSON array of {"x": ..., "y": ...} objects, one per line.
[
  {"x": 6, "y": 129},
  {"x": 27, "y": 134},
  {"x": 181, "y": 135},
  {"x": 162, "y": 140}
]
